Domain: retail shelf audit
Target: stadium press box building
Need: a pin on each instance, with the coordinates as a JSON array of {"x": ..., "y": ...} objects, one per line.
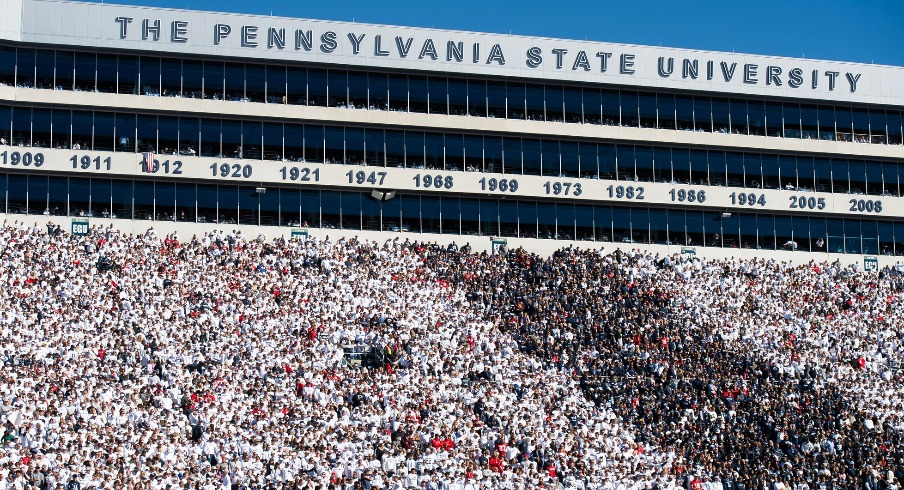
[{"x": 193, "y": 120}]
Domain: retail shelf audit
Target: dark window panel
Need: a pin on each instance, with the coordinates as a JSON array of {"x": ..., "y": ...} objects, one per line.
[
  {"x": 738, "y": 110},
  {"x": 171, "y": 77},
  {"x": 65, "y": 70},
  {"x": 149, "y": 73},
  {"x": 629, "y": 109},
  {"x": 377, "y": 91},
  {"x": 439, "y": 93},
  {"x": 276, "y": 85},
  {"x": 234, "y": 79},
  {"x": 317, "y": 87},
  {"x": 417, "y": 94},
  {"x": 297, "y": 86},
  {"x": 357, "y": 90},
  {"x": 256, "y": 84},
  {"x": 7, "y": 65},
  {"x": 534, "y": 101},
  {"x": 214, "y": 80},
  {"x": 398, "y": 93},
  {"x": 647, "y": 110},
  {"x": 193, "y": 79},
  {"x": 515, "y": 100},
  {"x": 477, "y": 98}
]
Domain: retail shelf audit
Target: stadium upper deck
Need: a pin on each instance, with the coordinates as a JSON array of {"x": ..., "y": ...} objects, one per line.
[{"x": 142, "y": 114}]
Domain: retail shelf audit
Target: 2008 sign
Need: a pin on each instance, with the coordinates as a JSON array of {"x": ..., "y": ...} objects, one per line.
[{"x": 865, "y": 206}]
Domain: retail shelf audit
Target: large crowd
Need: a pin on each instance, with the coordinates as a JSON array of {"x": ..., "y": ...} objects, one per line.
[{"x": 223, "y": 361}]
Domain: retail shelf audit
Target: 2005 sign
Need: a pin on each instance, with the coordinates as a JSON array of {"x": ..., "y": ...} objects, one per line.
[{"x": 804, "y": 202}]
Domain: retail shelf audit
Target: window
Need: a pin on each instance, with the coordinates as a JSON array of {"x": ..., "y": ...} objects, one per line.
[
  {"x": 189, "y": 130},
  {"x": 877, "y": 129},
  {"x": 573, "y": 105},
  {"x": 809, "y": 122},
  {"x": 894, "y": 128},
  {"x": 374, "y": 145},
  {"x": 455, "y": 153},
  {"x": 641, "y": 169},
  {"x": 337, "y": 81},
  {"x": 531, "y": 156},
  {"x": 62, "y": 125},
  {"x": 40, "y": 127},
  {"x": 354, "y": 146},
  {"x": 515, "y": 98},
  {"x": 313, "y": 143},
  {"x": 647, "y": 109},
  {"x": 629, "y": 109},
  {"x": 210, "y": 138},
  {"x": 774, "y": 120},
  {"x": 439, "y": 91},
  {"x": 756, "y": 117},
  {"x": 57, "y": 193},
  {"x": 738, "y": 113},
  {"x": 508, "y": 219},
  {"x": 293, "y": 142},
  {"x": 417, "y": 94},
  {"x": 214, "y": 80},
  {"x": 450, "y": 215},
  {"x": 721, "y": 116},
  {"x": 861, "y": 126},
  {"x": 357, "y": 90},
  {"x": 171, "y": 77},
  {"x": 593, "y": 106},
  {"x": 395, "y": 148},
  {"x": 273, "y": 141},
  {"x": 370, "y": 213},
  {"x": 82, "y": 129},
  {"x": 317, "y": 87},
  {"x": 193, "y": 79},
  {"x": 297, "y": 86},
  {"x": 377, "y": 91},
  {"x": 535, "y": 102},
  {"x": 234, "y": 78},
  {"x": 489, "y": 217},
  {"x": 602, "y": 223},
  {"x": 168, "y": 135},
  {"x": 207, "y": 203},
  {"x": 703, "y": 114},
  {"x": 550, "y": 156},
  {"x": 85, "y": 66},
  {"x": 554, "y": 103},
  {"x": 684, "y": 113},
  {"x": 496, "y": 102},
  {"x": 149, "y": 70},
  {"x": 44, "y": 68},
  {"x": 25, "y": 68},
  {"x": 276, "y": 85},
  {"x": 411, "y": 213},
  {"x": 477, "y": 98},
  {"x": 667, "y": 108},
  {"x": 65, "y": 70},
  {"x": 398, "y": 93},
  {"x": 256, "y": 84},
  {"x": 8, "y": 66}
]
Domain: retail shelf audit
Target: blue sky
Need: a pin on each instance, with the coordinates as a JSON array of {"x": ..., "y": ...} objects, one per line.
[{"x": 866, "y": 31}]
